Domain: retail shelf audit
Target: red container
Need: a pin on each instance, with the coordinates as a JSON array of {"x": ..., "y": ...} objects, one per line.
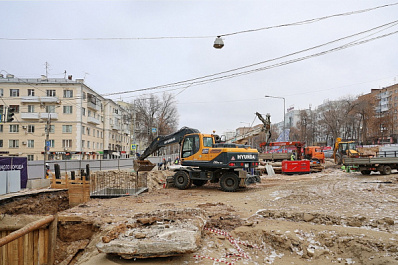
[{"x": 296, "y": 167}]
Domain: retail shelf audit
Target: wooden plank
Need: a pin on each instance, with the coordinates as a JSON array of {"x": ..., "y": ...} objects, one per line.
[
  {"x": 27, "y": 252},
  {"x": 20, "y": 250},
  {"x": 41, "y": 247},
  {"x": 36, "y": 247},
  {"x": 52, "y": 240},
  {"x": 4, "y": 249},
  {"x": 13, "y": 252}
]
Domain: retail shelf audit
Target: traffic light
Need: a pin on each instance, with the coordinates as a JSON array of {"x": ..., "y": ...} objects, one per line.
[{"x": 10, "y": 114}]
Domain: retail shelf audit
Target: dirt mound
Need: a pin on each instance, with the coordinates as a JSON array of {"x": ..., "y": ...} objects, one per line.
[{"x": 157, "y": 179}]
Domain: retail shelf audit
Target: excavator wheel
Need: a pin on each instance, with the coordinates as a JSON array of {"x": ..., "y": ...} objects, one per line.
[
  {"x": 229, "y": 182},
  {"x": 199, "y": 182},
  {"x": 182, "y": 180}
]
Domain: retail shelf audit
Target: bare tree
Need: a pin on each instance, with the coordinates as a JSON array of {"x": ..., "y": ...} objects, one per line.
[
  {"x": 368, "y": 124},
  {"x": 338, "y": 118},
  {"x": 154, "y": 112}
]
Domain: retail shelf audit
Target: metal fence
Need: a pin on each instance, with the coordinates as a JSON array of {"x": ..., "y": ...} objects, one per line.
[
  {"x": 111, "y": 184},
  {"x": 36, "y": 168}
]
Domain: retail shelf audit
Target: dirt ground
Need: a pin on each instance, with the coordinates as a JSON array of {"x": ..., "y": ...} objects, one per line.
[
  {"x": 331, "y": 217},
  {"x": 321, "y": 218}
]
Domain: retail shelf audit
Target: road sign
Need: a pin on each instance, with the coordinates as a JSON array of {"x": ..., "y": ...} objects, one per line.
[
  {"x": 133, "y": 147},
  {"x": 47, "y": 148},
  {"x": 154, "y": 130},
  {"x": 48, "y": 143},
  {"x": 1, "y": 118}
]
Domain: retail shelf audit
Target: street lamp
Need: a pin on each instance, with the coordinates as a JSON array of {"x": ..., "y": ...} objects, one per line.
[
  {"x": 284, "y": 114},
  {"x": 218, "y": 43}
]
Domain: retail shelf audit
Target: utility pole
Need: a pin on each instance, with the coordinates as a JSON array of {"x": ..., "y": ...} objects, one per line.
[{"x": 46, "y": 143}]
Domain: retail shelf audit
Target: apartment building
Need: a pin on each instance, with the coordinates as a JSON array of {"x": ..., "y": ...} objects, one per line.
[
  {"x": 386, "y": 112},
  {"x": 63, "y": 117}
]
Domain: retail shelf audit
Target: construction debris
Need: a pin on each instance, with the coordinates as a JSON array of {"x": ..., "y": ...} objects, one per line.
[{"x": 158, "y": 234}]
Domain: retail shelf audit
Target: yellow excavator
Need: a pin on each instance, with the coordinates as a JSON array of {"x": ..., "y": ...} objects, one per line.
[
  {"x": 206, "y": 157},
  {"x": 344, "y": 149}
]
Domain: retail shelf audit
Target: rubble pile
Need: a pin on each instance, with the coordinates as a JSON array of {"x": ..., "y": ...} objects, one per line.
[{"x": 158, "y": 234}]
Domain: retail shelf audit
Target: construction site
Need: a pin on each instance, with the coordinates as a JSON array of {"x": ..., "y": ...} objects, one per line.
[{"x": 306, "y": 210}]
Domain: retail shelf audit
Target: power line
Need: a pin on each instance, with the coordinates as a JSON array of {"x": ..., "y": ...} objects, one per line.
[
  {"x": 309, "y": 21},
  {"x": 299, "y": 23},
  {"x": 214, "y": 78}
]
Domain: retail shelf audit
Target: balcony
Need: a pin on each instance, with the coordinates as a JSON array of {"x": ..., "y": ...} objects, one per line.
[
  {"x": 93, "y": 120},
  {"x": 93, "y": 106},
  {"x": 30, "y": 115},
  {"x": 30, "y": 99},
  {"x": 45, "y": 116},
  {"x": 115, "y": 127},
  {"x": 50, "y": 100}
]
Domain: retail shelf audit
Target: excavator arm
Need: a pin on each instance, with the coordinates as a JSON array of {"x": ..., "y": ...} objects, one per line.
[
  {"x": 164, "y": 140},
  {"x": 266, "y": 126}
]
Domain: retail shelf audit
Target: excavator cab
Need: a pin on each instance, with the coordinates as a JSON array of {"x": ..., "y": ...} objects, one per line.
[{"x": 344, "y": 149}]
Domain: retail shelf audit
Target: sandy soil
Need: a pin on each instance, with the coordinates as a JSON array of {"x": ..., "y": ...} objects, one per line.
[{"x": 320, "y": 218}]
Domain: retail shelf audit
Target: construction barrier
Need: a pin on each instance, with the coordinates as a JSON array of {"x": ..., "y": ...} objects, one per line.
[
  {"x": 78, "y": 189},
  {"x": 33, "y": 243}
]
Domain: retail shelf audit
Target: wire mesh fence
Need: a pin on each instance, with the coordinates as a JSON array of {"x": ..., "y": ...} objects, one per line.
[{"x": 117, "y": 184}]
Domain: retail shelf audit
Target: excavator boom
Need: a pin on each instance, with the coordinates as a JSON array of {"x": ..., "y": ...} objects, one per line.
[{"x": 164, "y": 140}]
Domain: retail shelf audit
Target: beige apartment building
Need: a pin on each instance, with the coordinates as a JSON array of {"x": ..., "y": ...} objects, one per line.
[{"x": 63, "y": 116}]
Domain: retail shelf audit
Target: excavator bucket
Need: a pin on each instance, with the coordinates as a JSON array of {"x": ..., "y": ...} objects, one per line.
[{"x": 143, "y": 165}]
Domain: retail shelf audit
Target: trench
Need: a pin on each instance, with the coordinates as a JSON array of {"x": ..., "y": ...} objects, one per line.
[{"x": 73, "y": 233}]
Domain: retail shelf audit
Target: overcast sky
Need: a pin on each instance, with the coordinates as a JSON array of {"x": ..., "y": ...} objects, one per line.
[{"x": 118, "y": 65}]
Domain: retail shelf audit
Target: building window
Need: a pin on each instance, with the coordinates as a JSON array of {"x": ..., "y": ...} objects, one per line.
[
  {"x": 84, "y": 129},
  {"x": 51, "y": 93},
  {"x": 1, "y": 109},
  {"x": 68, "y": 93},
  {"x": 31, "y": 157},
  {"x": 52, "y": 143},
  {"x": 84, "y": 95},
  {"x": 31, "y": 143},
  {"x": 1, "y": 127},
  {"x": 14, "y": 128},
  {"x": 97, "y": 133},
  {"x": 84, "y": 111},
  {"x": 66, "y": 128},
  {"x": 1, "y": 92},
  {"x": 50, "y": 109},
  {"x": 66, "y": 143},
  {"x": 15, "y": 107},
  {"x": 68, "y": 109},
  {"x": 88, "y": 131},
  {"x": 88, "y": 144},
  {"x": 52, "y": 128},
  {"x": 89, "y": 113},
  {"x": 1, "y": 143},
  {"x": 13, "y": 143},
  {"x": 31, "y": 128},
  {"x": 31, "y": 108},
  {"x": 31, "y": 92},
  {"x": 83, "y": 143},
  {"x": 14, "y": 92}
]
